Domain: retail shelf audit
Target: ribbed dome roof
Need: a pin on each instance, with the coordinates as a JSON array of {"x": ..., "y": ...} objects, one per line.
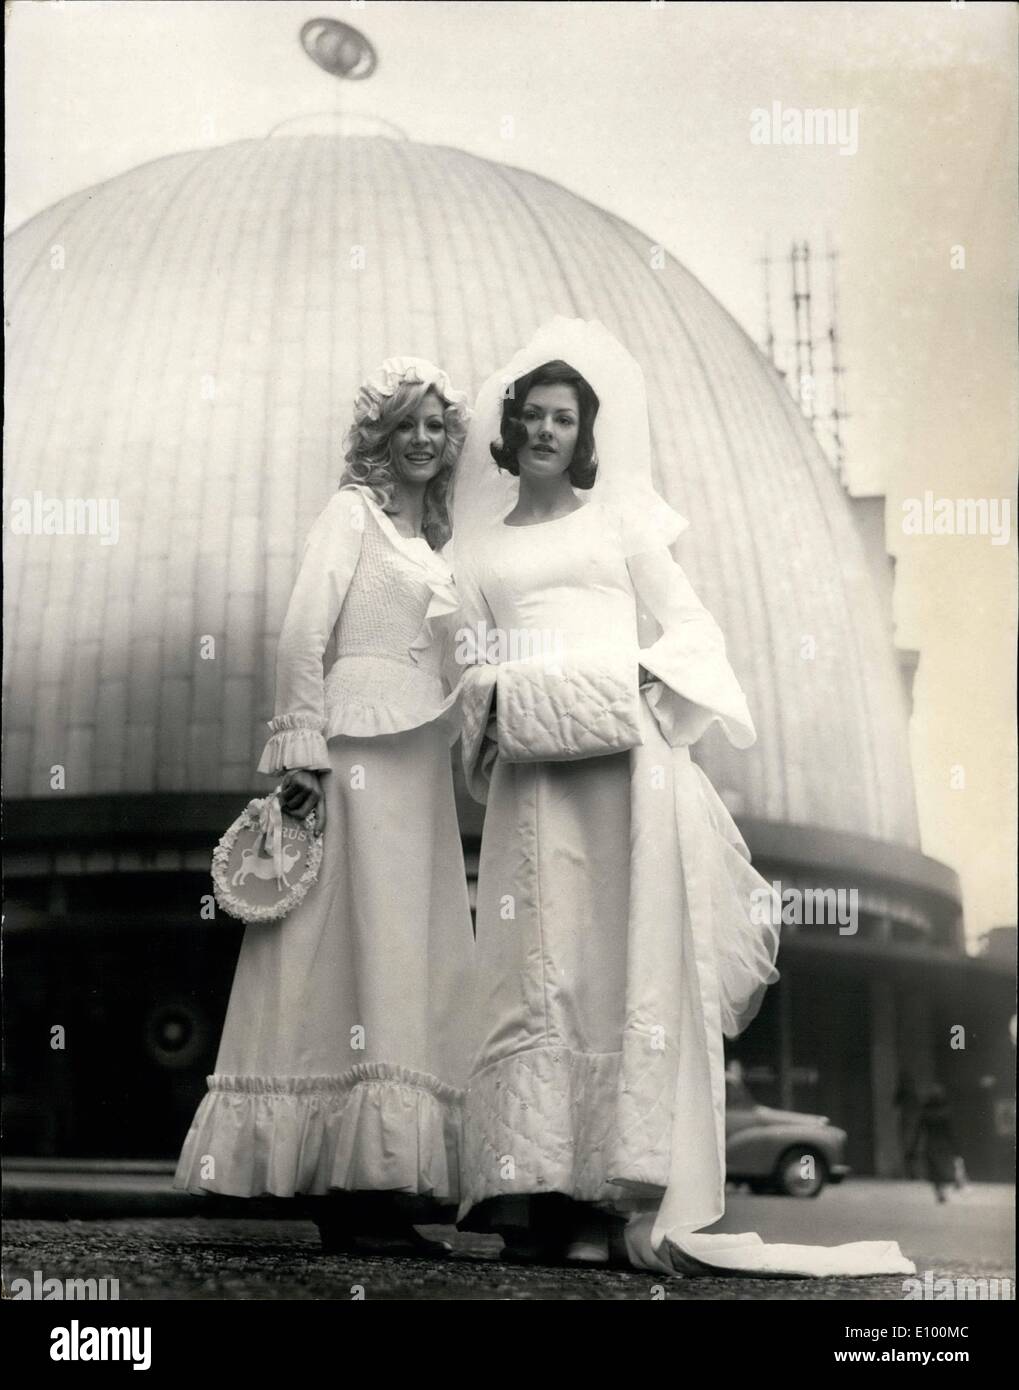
[{"x": 196, "y": 356}]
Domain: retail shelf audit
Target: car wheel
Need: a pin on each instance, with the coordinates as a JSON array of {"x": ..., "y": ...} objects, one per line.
[{"x": 796, "y": 1178}]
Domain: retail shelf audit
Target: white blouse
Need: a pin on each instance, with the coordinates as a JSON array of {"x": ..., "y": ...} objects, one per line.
[{"x": 368, "y": 595}]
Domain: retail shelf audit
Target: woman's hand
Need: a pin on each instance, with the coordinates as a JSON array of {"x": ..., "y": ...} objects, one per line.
[{"x": 301, "y": 792}]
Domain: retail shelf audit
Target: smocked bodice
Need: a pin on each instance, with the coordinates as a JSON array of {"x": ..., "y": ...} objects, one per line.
[
  {"x": 357, "y": 655},
  {"x": 386, "y": 602}
]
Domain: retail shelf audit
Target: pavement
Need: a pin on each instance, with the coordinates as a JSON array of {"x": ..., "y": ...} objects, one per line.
[{"x": 183, "y": 1256}]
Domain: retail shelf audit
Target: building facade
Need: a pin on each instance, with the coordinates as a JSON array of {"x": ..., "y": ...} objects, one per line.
[{"x": 185, "y": 341}]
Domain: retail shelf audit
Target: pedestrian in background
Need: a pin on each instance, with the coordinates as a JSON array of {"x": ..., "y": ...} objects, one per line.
[
  {"x": 907, "y": 1103},
  {"x": 936, "y": 1139}
]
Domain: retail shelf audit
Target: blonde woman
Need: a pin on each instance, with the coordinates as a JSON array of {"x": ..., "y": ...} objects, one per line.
[{"x": 341, "y": 1064}]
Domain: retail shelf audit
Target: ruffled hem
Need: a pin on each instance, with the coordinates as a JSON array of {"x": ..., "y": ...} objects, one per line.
[{"x": 375, "y": 1127}]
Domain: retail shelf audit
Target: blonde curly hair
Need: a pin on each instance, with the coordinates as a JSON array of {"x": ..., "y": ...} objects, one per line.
[{"x": 382, "y": 402}]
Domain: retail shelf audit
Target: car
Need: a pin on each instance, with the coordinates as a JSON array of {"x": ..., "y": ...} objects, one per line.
[{"x": 780, "y": 1151}]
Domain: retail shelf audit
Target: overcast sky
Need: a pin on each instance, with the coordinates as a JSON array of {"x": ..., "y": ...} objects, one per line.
[{"x": 646, "y": 109}]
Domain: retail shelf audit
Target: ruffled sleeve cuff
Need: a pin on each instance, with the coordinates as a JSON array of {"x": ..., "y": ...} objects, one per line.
[
  {"x": 698, "y": 686},
  {"x": 695, "y": 687},
  {"x": 297, "y": 742}
]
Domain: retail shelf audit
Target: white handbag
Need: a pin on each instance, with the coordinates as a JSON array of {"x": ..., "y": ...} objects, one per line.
[{"x": 266, "y": 861}]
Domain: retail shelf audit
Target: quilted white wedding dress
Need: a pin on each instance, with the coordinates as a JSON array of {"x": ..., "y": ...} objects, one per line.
[{"x": 616, "y": 941}]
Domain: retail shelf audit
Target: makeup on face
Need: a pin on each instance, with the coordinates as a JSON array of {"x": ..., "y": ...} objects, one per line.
[
  {"x": 419, "y": 440},
  {"x": 551, "y": 417}
]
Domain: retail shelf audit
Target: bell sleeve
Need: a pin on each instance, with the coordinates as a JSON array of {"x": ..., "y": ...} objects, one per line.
[
  {"x": 695, "y": 685},
  {"x": 475, "y": 677},
  {"x": 328, "y": 562}
]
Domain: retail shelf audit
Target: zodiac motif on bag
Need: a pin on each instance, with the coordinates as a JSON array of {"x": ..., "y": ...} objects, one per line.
[{"x": 266, "y": 861}]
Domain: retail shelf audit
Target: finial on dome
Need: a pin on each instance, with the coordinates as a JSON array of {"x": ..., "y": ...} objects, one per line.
[
  {"x": 342, "y": 51},
  {"x": 339, "y": 49}
]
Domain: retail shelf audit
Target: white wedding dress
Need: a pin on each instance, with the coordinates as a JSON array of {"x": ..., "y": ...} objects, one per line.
[
  {"x": 616, "y": 938},
  {"x": 344, "y": 1056}
]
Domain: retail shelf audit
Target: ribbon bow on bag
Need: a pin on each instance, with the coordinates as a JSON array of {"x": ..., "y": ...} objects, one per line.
[{"x": 270, "y": 825}]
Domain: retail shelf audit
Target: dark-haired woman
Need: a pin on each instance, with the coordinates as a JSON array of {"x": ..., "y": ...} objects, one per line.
[
  {"x": 340, "y": 1070},
  {"x": 621, "y": 930}
]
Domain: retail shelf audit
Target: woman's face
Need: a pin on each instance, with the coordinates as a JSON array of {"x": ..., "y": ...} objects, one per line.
[
  {"x": 418, "y": 441},
  {"x": 551, "y": 416}
]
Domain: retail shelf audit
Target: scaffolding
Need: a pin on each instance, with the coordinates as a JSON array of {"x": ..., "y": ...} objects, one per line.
[{"x": 809, "y": 360}]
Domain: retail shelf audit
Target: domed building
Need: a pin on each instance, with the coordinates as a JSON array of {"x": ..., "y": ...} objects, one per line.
[{"x": 184, "y": 344}]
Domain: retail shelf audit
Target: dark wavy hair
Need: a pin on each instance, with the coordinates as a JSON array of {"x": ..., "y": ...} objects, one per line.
[{"x": 513, "y": 432}]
